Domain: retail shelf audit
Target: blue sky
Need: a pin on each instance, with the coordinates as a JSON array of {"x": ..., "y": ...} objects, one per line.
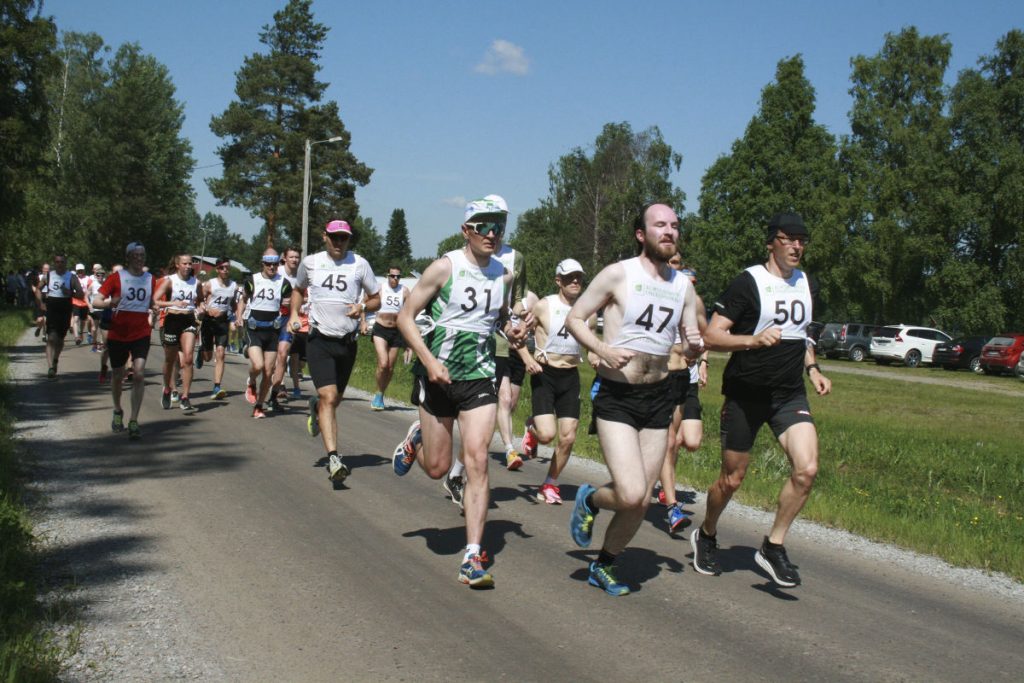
[{"x": 455, "y": 100}]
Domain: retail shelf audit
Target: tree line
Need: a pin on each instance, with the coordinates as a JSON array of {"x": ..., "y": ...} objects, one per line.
[{"x": 916, "y": 214}]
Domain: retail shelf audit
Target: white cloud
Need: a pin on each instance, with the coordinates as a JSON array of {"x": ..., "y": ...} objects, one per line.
[
  {"x": 506, "y": 57},
  {"x": 458, "y": 202}
]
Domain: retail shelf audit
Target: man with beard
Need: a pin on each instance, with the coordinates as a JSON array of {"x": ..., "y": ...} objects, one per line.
[{"x": 645, "y": 303}]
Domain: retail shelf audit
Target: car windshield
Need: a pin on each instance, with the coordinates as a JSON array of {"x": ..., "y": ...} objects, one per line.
[{"x": 1001, "y": 341}]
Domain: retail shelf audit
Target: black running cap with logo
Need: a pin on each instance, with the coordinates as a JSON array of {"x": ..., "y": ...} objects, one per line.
[{"x": 787, "y": 222}]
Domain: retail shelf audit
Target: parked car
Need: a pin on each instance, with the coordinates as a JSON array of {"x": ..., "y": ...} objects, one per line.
[
  {"x": 908, "y": 344},
  {"x": 1002, "y": 354},
  {"x": 846, "y": 340},
  {"x": 962, "y": 352}
]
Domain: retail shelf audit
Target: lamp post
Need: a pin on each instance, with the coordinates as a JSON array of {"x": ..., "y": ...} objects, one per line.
[{"x": 305, "y": 191}]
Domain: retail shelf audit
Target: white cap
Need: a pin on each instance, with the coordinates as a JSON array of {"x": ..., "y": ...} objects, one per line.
[
  {"x": 80, "y": 266},
  {"x": 492, "y": 203},
  {"x": 569, "y": 265},
  {"x": 97, "y": 266}
]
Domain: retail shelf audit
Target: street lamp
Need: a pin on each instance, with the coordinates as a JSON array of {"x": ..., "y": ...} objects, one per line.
[{"x": 305, "y": 192}]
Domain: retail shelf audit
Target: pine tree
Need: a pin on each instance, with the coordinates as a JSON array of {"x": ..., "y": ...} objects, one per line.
[
  {"x": 397, "y": 251},
  {"x": 278, "y": 108}
]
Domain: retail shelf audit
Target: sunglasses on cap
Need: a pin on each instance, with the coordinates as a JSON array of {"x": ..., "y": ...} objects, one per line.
[
  {"x": 270, "y": 260},
  {"x": 486, "y": 228}
]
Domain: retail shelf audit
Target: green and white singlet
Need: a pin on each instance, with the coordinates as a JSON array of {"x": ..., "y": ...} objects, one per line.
[{"x": 465, "y": 312}]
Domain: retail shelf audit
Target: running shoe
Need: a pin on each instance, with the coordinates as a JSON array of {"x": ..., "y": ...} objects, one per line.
[
  {"x": 103, "y": 375},
  {"x": 117, "y": 422},
  {"x": 250, "y": 393},
  {"x": 232, "y": 348},
  {"x": 218, "y": 392},
  {"x": 676, "y": 517},
  {"x": 39, "y": 331},
  {"x": 257, "y": 412},
  {"x": 273, "y": 406},
  {"x": 549, "y": 493},
  {"x": 199, "y": 359},
  {"x": 773, "y": 559},
  {"x": 296, "y": 394},
  {"x": 603, "y": 576},
  {"x": 95, "y": 349},
  {"x": 473, "y": 574},
  {"x": 175, "y": 398},
  {"x": 313, "y": 421},
  {"x": 530, "y": 441},
  {"x": 405, "y": 452},
  {"x": 455, "y": 486},
  {"x": 337, "y": 470},
  {"x": 186, "y": 405},
  {"x": 44, "y": 337},
  {"x": 52, "y": 373},
  {"x": 513, "y": 461},
  {"x": 378, "y": 402},
  {"x": 581, "y": 522},
  {"x": 134, "y": 433},
  {"x": 705, "y": 553},
  {"x": 78, "y": 341},
  {"x": 88, "y": 337},
  {"x": 165, "y": 399}
]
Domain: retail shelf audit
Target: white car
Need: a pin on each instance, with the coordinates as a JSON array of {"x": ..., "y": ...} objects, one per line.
[{"x": 907, "y": 344}]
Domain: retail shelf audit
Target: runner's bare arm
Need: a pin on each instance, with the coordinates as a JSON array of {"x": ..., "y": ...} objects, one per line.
[
  {"x": 433, "y": 278},
  {"x": 593, "y": 298}
]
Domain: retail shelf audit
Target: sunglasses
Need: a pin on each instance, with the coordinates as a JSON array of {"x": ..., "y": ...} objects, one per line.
[
  {"x": 572, "y": 277},
  {"x": 338, "y": 236},
  {"x": 483, "y": 229},
  {"x": 393, "y": 276}
]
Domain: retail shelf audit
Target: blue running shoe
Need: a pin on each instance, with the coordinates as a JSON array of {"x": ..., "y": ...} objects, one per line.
[
  {"x": 677, "y": 517},
  {"x": 378, "y": 402},
  {"x": 405, "y": 452},
  {"x": 296, "y": 393},
  {"x": 602, "y": 576},
  {"x": 473, "y": 574},
  {"x": 582, "y": 519}
]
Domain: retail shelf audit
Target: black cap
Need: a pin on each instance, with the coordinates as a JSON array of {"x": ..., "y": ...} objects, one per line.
[{"x": 788, "y": 222}]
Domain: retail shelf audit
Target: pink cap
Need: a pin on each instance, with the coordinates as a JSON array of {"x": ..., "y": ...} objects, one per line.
[{"x": 338, "y": 226}]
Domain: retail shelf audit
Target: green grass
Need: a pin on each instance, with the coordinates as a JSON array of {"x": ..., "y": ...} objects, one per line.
[
  {"x": 930, "y": 468},
  {"x": 27, "y": 651}
]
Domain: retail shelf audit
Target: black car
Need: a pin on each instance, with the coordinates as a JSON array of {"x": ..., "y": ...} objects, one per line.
[{"x": 962, "y": 352}]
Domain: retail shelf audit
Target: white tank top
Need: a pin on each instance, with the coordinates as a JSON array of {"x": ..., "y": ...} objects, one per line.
[
  {"x": 650, "y": 318},
  {"x": 222, "y": 297},
  {"x": 785, "y": 303},
  {"x": 136, "y": 292},
  {"x": 391, "y": 300},
  {"x": 475, "y": 295},
  {"x": 559, "y": 340},
  {"x": 58, "y": 286},
  {"x": 183, "y": 290},
  {"x": 266, "y": 293}
]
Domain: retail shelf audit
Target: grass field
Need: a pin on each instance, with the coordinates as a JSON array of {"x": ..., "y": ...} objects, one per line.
[
  {"x": 27, "y": 652},
  {"x": 930, "y": 468}
]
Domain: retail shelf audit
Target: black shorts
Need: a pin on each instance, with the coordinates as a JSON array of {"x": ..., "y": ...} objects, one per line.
[
  {"x": 96, "y": 315},
  {"x": 214, "y": 331},
  {"x": 80, "y": 312},
  {"x": 741, "y": 420},
  {"x": 175, "y": 325},
  {"x": 641, "y": 406},
  {"x": 58, "y": 316},
  {"x": 299, "y": 340},
  {"x": 512, "y": 366},
  {"x": 331, "y": 359},
  {"x": 120, "y": 350},
  {"x": 556, "y": 391},
  {"x": 389, "y": 334},
  {"x": 265, "y": 338},
  {"x": 691, "y": 404},
  {"x": 448, "y": 400}
]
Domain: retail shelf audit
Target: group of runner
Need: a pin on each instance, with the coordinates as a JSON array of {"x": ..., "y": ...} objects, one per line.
[{"x": 467, "y": 322}]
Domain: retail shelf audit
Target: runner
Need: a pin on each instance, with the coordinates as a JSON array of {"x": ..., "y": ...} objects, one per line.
[
  {"x": 220, "y": 297},
  {"x": 333, "y": 280},
  {"x": 387, "y": 340},
  {"x": 511, "y": 371},
  {"x": 262, "y": 297},
  {"x": 555, "y": 378},
  {"x": 454, "y": 375},
  {"x": 129, "y": 294},
  {"x": 61, "y": 285},
  {"x": 99, "y": 341},
  {"x": 178, "y": 294},
  {"x": 687, "y": 429},
  {"x": 645, "y": 302},
  {"x": 40, "y": 284},
  {"x": 80, "y": 307},
  {"x": 762, "y": 320},
  {"x": 287, "y": 358}
]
